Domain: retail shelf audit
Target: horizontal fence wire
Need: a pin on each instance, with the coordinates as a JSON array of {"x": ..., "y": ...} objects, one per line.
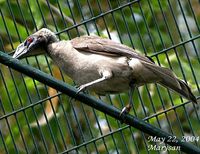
[{"x": 164, "y": 30}]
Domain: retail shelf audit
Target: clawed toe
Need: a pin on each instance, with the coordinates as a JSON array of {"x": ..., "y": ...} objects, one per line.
[
  {"x": 80, "y": 89},
  {"x": 125, "y": 111}
]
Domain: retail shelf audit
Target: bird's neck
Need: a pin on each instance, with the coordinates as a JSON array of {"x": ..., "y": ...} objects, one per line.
[
  {"x": 57, "y": 48},
  {"x": 51, "y": 39},
  {"x": 63, "y": 53}
]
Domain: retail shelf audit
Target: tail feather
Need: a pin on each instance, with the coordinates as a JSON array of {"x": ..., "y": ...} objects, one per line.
[
  {"x": 168, "y": 79},
  {"x": 183, "y": 90}
]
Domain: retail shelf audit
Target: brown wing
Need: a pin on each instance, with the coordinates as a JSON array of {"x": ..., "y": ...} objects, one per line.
[{"x": 98, "y": 45}]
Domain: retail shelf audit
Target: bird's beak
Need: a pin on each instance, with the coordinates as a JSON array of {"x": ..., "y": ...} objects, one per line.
[{"x": 20, "y": 51}]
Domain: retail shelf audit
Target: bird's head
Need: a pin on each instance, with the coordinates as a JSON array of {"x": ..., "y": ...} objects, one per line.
[{"x": 35, "y": 44}]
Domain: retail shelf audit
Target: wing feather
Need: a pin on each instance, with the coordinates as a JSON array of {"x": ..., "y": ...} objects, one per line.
[{"x": 98, "y": 45}]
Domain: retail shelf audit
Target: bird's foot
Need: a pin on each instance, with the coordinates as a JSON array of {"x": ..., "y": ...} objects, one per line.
[
  {"x": 125, "y": 111},
  {"x": 80, "y": 89}
]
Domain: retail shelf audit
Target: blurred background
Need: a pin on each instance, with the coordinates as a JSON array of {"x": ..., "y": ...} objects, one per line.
[{"x": 35, "y": 118}]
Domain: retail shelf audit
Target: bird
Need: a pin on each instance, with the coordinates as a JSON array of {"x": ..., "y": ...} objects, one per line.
[{"x": 102, "y": 65}]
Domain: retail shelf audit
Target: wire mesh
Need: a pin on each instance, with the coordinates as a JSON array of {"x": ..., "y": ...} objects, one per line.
[{"x": 36, "y": 118}]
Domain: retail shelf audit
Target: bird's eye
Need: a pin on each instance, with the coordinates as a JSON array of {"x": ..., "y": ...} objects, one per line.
[{"x": 29, "y": 41}]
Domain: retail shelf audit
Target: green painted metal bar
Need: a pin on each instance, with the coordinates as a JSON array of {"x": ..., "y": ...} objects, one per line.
[{"x": 96, "y": 103}]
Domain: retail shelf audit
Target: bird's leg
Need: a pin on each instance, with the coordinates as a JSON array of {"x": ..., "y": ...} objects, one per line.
[
  {"x": 84, "y": 86},
  {"x": 128, "y": 107},
  {"x": 105, "y": 75}
]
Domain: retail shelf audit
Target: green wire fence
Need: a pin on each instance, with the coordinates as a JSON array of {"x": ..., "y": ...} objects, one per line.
[{"x": 39, "y": 113}]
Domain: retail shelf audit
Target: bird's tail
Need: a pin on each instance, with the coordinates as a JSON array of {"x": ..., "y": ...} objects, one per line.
[{"x": 168, "y": 79}]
